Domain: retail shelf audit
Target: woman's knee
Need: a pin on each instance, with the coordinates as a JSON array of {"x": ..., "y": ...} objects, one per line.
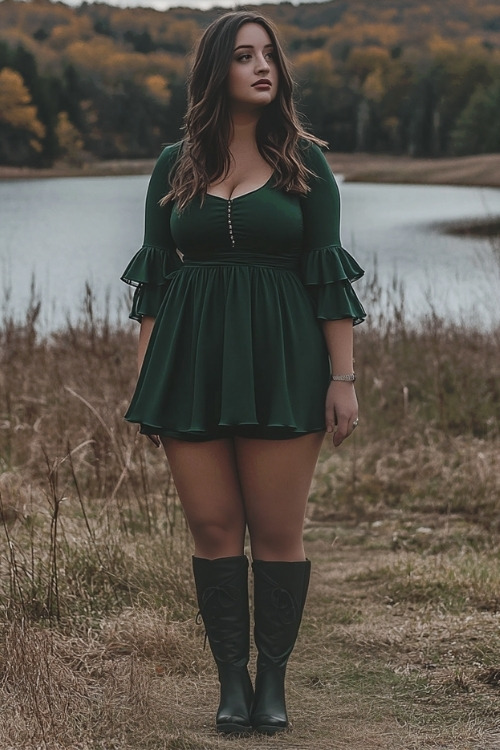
[
  {"x": 214, "y": 538},
  {"x": 277, "y": 544}
]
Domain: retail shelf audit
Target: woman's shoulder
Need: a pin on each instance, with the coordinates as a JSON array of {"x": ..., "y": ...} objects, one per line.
[
  {"x": 169, "y": 155},
  {"x": 311, "y": 153},
  {"x": 164, "y": 166}
]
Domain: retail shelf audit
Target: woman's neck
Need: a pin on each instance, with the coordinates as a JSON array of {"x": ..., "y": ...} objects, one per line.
[{"x": 243, "y": 128}]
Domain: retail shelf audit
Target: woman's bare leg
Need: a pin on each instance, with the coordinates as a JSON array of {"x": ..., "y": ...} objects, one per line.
[
  {"x": 275, "y": 478},
  {"x": 206, "y": 479},
  {"x": 205, "y": 475}
]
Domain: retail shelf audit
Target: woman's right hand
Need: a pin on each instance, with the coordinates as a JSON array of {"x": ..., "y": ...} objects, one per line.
[{"x": 341, "y": 411}]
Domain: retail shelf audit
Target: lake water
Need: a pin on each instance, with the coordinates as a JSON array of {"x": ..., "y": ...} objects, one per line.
[{"x": 66, "y": 232}]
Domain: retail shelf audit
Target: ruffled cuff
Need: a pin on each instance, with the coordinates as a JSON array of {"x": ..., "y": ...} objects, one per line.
[
  {"x": 328, "y": 273},
  {"x": 148, "y": 271},
  {"x": 336, "y": 301},
  {"x": 151, "y": 265},
  {"x": 328, "y": 265},
  {"x": 147, "y": 301}
]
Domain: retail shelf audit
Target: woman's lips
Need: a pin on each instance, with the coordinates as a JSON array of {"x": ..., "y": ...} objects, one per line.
[{"x": 262, "y": 83}]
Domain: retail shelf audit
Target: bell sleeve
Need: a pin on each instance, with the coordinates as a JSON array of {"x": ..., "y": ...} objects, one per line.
[
  {"x": 151, "y": 266},
  {"x": 327, "y": 269}
]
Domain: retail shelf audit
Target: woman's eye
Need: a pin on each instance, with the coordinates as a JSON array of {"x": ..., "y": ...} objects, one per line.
[{"x": 247, "y": 56}]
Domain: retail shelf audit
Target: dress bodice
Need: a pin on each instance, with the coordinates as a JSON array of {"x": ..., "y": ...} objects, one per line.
[{"x": 263, "y": 221}]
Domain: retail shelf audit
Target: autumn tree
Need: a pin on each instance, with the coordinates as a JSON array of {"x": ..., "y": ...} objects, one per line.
[
  {"x": 317, "y": 79},
  {"x": 69, "y": 140},
  {"x": 476, "y": 130},
  {"x": 21, "y": 131},
  {"x": 455, "y": 72}
]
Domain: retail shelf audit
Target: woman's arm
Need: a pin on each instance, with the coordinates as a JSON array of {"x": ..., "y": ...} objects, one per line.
[
  {"x": 341, "y": 407},
  {"x": 157, "y": 258},
  {"x": 327, "y": 271},
  {"x": 147, "y": 324}
]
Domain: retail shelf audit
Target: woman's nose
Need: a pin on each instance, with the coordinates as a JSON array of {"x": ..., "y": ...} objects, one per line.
[{"x": 262, "y": 64}]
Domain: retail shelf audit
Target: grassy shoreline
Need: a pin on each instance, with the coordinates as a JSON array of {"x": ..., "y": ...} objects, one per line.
[
  {"x": 482, "y": 170},
  {"x": 472, "y": 171}
]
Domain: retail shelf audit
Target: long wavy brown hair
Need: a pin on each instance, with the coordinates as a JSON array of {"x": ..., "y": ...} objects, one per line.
[{"x": 204, "y": 157}]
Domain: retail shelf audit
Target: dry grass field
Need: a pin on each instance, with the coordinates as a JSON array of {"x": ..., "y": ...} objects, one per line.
[
  {"x": 400, "y": 645},
  {"x": 481, "y": 170}
]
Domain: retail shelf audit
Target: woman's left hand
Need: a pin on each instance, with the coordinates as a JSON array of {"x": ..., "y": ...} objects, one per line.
[{"x": 341, "y": 410}]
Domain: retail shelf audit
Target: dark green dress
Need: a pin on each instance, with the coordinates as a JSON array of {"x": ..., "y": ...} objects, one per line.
[{"x": 237, "y": 347}]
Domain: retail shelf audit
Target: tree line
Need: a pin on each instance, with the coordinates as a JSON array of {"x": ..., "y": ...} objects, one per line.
[{"x": 100, "y": 82}]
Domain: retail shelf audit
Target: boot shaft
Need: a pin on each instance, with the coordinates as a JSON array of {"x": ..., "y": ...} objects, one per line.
[
  {"x": 222, "y": 593},
  {"x": 280, "y": 591}
]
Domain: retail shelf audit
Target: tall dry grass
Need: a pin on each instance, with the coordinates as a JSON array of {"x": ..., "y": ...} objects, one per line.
[
  {"x": 96, "y": 601},
  {"x": 76, "y": 482}
]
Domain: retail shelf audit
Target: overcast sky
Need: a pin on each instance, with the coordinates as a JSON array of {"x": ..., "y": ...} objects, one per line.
[{"x": 163, "y": 4}]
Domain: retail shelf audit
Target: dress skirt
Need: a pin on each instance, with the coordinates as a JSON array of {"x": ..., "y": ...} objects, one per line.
[{"x": 235, "y": 350}]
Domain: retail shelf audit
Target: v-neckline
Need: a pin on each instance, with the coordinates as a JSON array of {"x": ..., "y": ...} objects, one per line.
[{"x": 243, "y": 195}]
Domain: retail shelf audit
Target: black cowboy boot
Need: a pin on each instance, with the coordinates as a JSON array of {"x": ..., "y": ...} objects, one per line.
[
  {"x": 222, "y": 589},
  {"x": 280, "y": 590}
]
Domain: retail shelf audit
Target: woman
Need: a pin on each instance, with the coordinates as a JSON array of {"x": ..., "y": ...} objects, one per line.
[{"x": 245, "y": 348}]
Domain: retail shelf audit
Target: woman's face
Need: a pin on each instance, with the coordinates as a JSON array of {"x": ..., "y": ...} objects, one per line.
[{"x": 253, "y": 73}]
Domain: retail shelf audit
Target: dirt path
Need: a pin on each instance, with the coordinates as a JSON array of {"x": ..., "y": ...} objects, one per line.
[
  {"x": 371, "y": 670},
  {"x": 399, "y": 650}
]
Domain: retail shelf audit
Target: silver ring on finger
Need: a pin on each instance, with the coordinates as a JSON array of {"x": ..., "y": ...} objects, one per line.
[{"x": 355, "y": 424}]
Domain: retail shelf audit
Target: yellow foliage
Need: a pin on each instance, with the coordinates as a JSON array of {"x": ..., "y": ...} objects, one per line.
[
  {"x": 167, "y": 65},
  {"x": 441, "y": 47},
  {"x": 35, "y": 145},
  {"x": 80, "y": 29},
  {"x": 120, "y": 65},
  {"x": 365, "y": 60},
  {"x": 386, "y": 34},
  {"x": 387, "y": 14},
  {"x": 373, "y": 86},
  {"x": 90, "y": 55},
  {"x": 91, "y": 114},
  {"x": 489, "y": 12},
  {"x": 15, "y": 104},
  {"x": 457, "y": 27},
  {"x": 104, "y": 58},
  {"x": 15, "y": 36},
  {"x": 420, "y": 10},
  {"x": 69, "y": 139},
  {"x": 163, "y": 28},
  {"x": 184, "y": 32},
  {"x": 31, "y": 16},
  {"x": 356, "y": 30},
  {"x": 473, "y": 45},
  {"x": 347, "y": 30},
  {"x": 318, "y": 59},
  {"x": 315, "y": 70},
  {"x": 157, "y": 87}
]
